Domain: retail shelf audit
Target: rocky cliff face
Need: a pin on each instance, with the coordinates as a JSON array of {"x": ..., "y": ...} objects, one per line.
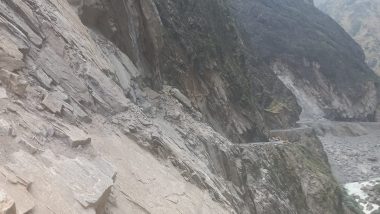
[
  {"x": 360, "y": 18},
  {"x": 311, "y": 58},
  {"x": 238, "y": 78},
  {"x": 202, "y": 53},
  {"x": 90, "y": 124}
]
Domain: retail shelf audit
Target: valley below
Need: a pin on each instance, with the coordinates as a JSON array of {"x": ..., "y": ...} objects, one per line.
[{"x": 353, "y": 150}]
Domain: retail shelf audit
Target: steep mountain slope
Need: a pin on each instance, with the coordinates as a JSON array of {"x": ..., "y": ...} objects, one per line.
[
  {"x": 201, "y": 52},
  {"x": 90, "y": 124},
  {"x": 317, "y": 60},
  {"x": 361, "y": 19},
  {"x": 229, "y": 73}
]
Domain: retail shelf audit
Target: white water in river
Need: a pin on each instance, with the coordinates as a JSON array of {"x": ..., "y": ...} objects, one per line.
[{"x": 356, "y": 189}]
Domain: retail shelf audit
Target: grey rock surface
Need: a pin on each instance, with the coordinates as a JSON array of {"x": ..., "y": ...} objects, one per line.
[
  {"x": 3, "y": 93},
  {"x": 5, "y": 128}
]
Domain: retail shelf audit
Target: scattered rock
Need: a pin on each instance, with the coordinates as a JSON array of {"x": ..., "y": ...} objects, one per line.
[
  {"x": 75, "y": 136},
  {"x": 17, "y": 182},
  {"x": 80, "y": 114},
  {"x": 40, "y": 108},
  {"x": 89, "y": 181},
  {"x": 146, "y": 107},
  {"x": 174, "y": 114},
  {"x": 173, "y": 198},
  {"x": 13, "y": 81},
  {"x": 53, "y": 104},
  {"x": 14, "y": 176},
  {"x": 47, "y": 131},
  {"x": 44, "y": 79},
  {"x": 55, "y": 101},
  {"x": 197, "y": 115},
  {"x": 79, "y": 139},
  {"x": 145, "y": 122},
  {"x": 92, "y": 182},
  {"x": 3, "y": 93},
  {"x": 130, "y": 129},
  {"x": 369, "y": 207},
  {"x": 151, "y": 93},
  {"x": 373, "y": 159},
  {"x": 7, "y": 204},
  {"x": 13, "y": 132},
  {"x": 5, "y": 128},
  {"x": 61, "y": 95},
  {"x": 11, "y": 56},
  {"x": 28, "y": 146},
  {"x": 375, "y": 168},
  {"x": 181, "y": 97}
]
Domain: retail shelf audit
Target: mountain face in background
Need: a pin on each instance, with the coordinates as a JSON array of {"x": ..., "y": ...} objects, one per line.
[
  {"x": 309, "y": 52},
  {"x": 203, "y": 54},
  {"x": 230, "y": 72},
  {"x": 361, "y": 19},
  {"x": 167, "y": 106}
]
